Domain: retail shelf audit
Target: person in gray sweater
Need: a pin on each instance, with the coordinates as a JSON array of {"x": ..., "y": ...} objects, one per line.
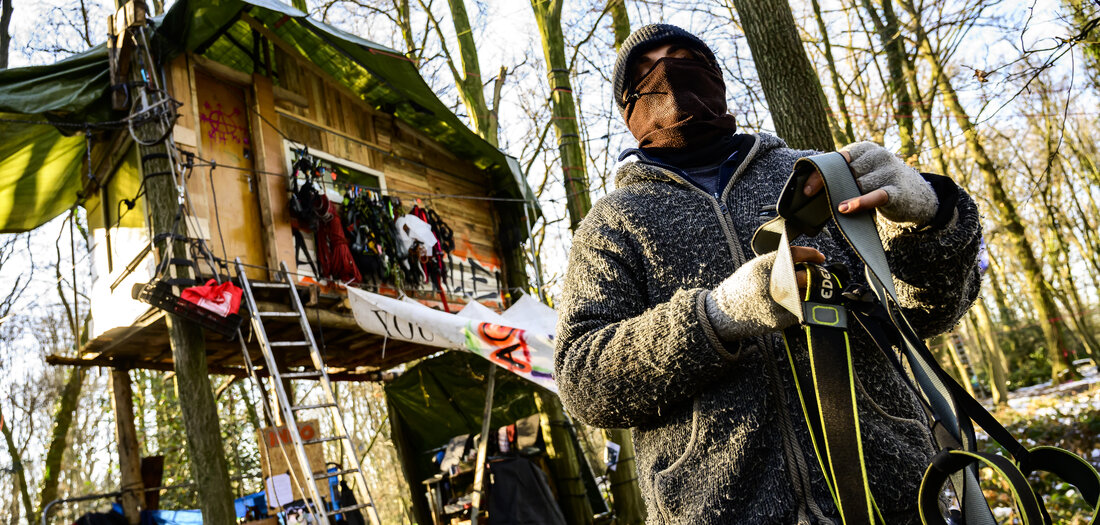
[{"x": 667, "y": 326}]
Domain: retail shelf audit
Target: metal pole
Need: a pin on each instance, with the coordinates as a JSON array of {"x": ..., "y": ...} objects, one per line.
[
  {"x": 483, "y": 445},
  {"x": 535, "y": 259}
]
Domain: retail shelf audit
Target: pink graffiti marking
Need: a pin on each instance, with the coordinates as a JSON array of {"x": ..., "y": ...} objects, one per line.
[{"x": 222, "y": 126}]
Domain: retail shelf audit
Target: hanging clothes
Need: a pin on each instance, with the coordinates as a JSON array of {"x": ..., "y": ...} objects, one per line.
[
  {"x": 333, "y": 253},
  {"x": 425, "y": 249}
]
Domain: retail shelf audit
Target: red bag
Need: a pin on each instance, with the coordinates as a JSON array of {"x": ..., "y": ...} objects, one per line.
[{"x": 222, "y": 299}]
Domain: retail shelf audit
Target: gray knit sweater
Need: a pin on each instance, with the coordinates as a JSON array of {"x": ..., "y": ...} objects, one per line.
[{"x": 717, "y": 425}]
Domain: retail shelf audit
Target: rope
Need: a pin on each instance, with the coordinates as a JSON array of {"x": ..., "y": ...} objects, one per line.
[
  {"x": 107, "y": 124},
  {"x": 422, "y": 194}
]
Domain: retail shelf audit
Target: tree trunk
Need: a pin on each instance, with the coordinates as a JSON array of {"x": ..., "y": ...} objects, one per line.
[
  {"x": 886, "y": 27},
  {"x": 565, "y": 460},
  {"x": 129, "y": 450},
  {"x": 63, "y": 420},
  {"x": 842, "y": 105},
  {"x": 924, "y": 107},
  {"x": 6, "y": 9},
  {"x": 963, "y": 374},
  {"x": 469, "y": 82},
  {"x": 200, "y": 415},
  {"x": 790, "y": 84},
  {"x": 1007, "y": 317},
  {"x": 404, "y": 23},
  {"x": 1045, "y": 308},
  {"x": 1058, "y": 255},
  {"x": 209, "y": 469},
  {"x": 629, "y": 505},
  {"x": 564, "y": 112},
  {"x": 19, "y": 488},
  {"x": 995, "y": 357},
  {"x": 620, "y": 21}
]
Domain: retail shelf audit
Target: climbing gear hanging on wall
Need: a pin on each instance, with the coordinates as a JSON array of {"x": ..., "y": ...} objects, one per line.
[{"x": 303, "y": 218}]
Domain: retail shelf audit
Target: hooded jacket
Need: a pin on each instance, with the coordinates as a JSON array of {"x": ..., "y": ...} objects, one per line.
[{"x": 717, "y": 425}]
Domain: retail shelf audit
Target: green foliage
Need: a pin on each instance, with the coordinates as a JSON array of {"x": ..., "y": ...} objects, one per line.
[
  {"x": 1068, "y": 421},
  {"x": 1027, "y": 357}
]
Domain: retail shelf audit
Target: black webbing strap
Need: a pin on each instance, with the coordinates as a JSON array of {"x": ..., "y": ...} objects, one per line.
[
  {"x": 833, "y": 379},
  {"x": 300, "y": 247},
  {"x": 948, "y": 462}
]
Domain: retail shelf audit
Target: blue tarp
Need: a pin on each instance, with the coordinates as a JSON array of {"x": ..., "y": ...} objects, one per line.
[{"x": 166, "y": 517}]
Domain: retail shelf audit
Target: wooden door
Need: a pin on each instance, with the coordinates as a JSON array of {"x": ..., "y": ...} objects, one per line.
[{"x": 225, "y": 140}]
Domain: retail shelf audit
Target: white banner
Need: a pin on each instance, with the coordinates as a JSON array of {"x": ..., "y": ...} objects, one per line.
[{"x": 520, "y": 340}]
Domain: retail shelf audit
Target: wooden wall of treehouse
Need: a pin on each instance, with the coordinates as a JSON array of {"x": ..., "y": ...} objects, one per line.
[
  {"x": 337, "y": 122},
  {"x": 226, "y": 120}
]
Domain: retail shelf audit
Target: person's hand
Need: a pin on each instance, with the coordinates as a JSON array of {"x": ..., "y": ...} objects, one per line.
[
  {"x": 742, "y": 305},
  {"x": 805, "y": 254},
  {"x": 896, "y": 189}
]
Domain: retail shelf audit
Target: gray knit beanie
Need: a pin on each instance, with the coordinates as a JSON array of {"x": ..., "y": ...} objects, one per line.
[{"x": 644, "y": 39}]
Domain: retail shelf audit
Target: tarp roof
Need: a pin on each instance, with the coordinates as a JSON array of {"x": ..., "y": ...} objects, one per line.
[{"x": 40, "y": 166}]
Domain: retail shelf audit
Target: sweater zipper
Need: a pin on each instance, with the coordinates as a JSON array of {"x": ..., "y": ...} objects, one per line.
[
  {"x": 723, "y": 212},
  {"x": 730, "y": 231}
]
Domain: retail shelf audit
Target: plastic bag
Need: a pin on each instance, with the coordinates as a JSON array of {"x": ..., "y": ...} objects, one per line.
[{"x": 222, "y": 299}]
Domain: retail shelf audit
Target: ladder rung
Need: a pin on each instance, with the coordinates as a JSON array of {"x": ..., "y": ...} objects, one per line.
[
  {"x": 324, "y": 475},
  {"x": 349, "y": 508},
  {"x": 289, "y": 343},
  {"x": 263, "y": 284},
  {"x": 279, "y": 314},
  {"x": 323, "y": 440},
  {"x": 311, "y": 407},
  {"x": 300, "y": 375}
]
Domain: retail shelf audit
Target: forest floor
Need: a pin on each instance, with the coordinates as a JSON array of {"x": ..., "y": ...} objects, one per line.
[{"x": 1065, "y": 416}]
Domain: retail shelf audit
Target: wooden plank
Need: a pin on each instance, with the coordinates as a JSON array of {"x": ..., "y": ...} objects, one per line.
[
  {"x": 224, "y": 138},
  {"x": 303, "y": 63},
  {"x": 129, "y": 449},
  {"x": 166, "y": 366},
  {"x": 308, "y": 121},
  {"x": 277, "y": 456},
  {"x": 180, "y": 88},
  {"x": 274, "y": 213}
]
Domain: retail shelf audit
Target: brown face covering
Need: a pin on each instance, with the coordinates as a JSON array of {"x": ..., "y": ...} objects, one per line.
[{"x": 680, "y": 103}]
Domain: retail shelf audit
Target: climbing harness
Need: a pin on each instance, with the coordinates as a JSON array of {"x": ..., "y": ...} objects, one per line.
[
  {"x": 302, "y": 206},
  {"x": 434, "y": 270},
  {"x": 832, "y": 307}
]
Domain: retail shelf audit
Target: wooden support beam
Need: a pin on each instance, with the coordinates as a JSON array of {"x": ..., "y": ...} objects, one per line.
[
  {"x": 326, "y": 318},
  {"x": 55, "y": 360},
  {"x": 273, "y": 191},
  {"x": 224, "y": 72},
  {"x": 483, "y": 446},
  {"x": 129, "y": 451}
]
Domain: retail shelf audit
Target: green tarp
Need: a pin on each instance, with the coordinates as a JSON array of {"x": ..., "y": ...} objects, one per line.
[
  {"x": 39, "y": 174},
  {"x": 43, "y": 181},
  {"x": 39, "y": 166}
]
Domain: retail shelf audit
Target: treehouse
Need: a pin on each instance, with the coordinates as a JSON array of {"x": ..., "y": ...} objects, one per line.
[
  {"x": 247, "y": 115},
  {"x": 293, "y": 148}
]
